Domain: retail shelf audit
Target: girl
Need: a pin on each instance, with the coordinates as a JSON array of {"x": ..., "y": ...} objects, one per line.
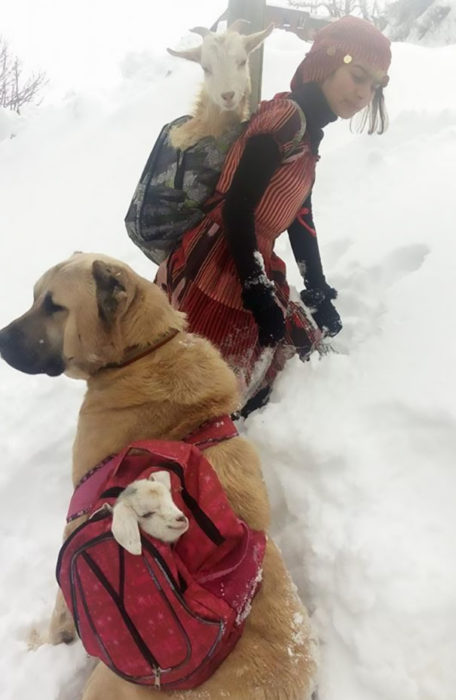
[{"x": 224, "y": 274}]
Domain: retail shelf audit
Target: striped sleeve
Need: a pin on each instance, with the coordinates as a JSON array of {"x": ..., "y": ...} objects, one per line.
[{"x": 282, "y": 119}]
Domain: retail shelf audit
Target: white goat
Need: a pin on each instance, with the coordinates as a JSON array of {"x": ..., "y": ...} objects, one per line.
[
  {"x": 224, "y": 97},
  {"x": 147, "y": 503}
]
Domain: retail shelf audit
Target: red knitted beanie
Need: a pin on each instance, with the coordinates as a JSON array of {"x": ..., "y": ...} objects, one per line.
[{"x": 340, "y": 42}]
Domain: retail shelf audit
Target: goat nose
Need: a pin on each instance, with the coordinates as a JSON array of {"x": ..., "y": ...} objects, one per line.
[
  {"x": 181, "y": 519},
  {"x": 227, "y": 96}
]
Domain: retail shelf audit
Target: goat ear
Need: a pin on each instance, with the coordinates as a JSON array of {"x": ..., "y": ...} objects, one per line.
[
  {"x": 253, "y": 41},
  {"x": 189, "y": 54},
  {"x": 111, "y": 289},
  {"x": 163, "y": 477},
  {"x": 125, "y": 528},
  {"x": 239, "y": 25}
]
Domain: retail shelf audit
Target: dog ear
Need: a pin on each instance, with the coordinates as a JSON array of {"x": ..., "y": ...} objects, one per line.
[
  {"x": 163, "y": 477},
  {"x": 125, "y": 528},
  {"x": 111, "y": 289}
]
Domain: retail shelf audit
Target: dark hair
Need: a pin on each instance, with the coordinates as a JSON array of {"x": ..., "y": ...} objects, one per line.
[{"x": 375, "y": 115}]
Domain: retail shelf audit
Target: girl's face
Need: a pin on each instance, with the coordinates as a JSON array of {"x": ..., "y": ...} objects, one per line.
[{"x": 349, "y": 89}]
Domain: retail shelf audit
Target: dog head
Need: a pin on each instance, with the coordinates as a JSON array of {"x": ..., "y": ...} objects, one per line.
[{"x": 88, "y": 312}]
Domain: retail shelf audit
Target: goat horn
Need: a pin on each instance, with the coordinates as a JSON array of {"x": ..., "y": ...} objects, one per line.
[
  {"x": 238, "y": 25},
  {"x": 202, "y": 31},
  {"x": 193, "y": 54},
  {"x": 253, "y": 41}
]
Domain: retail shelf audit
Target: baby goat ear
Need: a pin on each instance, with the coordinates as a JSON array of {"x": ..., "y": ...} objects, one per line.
[
  {"x": 125, "y": 528},
  {"x": 163, "y": 477}
]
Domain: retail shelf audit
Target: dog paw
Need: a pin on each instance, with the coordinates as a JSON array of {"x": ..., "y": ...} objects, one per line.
[
  {"x": 61, "y": 630},
  {"x": 61, "y": 636}
]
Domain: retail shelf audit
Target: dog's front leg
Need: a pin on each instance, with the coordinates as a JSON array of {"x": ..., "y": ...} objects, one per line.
[{"x": 61, "y": 627}]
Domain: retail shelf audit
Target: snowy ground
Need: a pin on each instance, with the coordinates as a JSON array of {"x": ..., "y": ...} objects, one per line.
[
  {"x": 434, "y": 22},
  {"x": 358, "y": 447}
]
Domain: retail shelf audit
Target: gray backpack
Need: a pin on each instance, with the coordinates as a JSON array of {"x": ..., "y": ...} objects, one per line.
[{"x": 173, "y": 190}]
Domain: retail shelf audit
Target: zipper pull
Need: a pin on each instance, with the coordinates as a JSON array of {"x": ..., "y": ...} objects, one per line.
[{"x": 157, "y": 678}]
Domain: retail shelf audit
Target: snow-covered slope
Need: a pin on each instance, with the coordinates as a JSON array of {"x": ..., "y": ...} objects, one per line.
[
  {"x": 426, "y": 22},
  {"x": 358, "y": 447}
]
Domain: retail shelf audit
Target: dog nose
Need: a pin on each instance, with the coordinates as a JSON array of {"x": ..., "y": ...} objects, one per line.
[
  {"x": 227, "y": 96},
  {"x": 4, "y": 337}
]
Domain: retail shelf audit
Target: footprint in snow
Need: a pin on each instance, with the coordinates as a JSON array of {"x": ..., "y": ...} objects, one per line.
[
  {"x": 361, "y": 292},
  {"x": 402, "y": 262}
]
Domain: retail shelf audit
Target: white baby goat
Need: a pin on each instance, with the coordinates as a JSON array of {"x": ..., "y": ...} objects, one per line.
[
  {"x": 224, "y": 97},
  {"x": 147, "y": 503}
]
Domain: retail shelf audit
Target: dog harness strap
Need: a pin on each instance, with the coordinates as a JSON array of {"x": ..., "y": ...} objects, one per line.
[
  {"x": 91, "y": 485},
  {"x": 213, "y": 431}
]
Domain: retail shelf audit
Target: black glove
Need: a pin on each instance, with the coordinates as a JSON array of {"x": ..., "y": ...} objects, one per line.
[
  {"x": 322, "y": 309},
  {"x": 259, "y": 298},
  {"x": 327, "y": 318}
]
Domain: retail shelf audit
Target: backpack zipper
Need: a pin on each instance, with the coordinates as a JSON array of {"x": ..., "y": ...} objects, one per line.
[
  {"x": 76, "y": 585},
  {"x": 180, "y": 170}
]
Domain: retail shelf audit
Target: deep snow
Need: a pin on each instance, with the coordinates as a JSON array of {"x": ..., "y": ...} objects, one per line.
[
  {"x": 428, "y": 24},
  {"x": 358, "y": 447}
]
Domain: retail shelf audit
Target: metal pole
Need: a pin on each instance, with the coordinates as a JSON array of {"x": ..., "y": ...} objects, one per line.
[{"x": 254, "y": 11}]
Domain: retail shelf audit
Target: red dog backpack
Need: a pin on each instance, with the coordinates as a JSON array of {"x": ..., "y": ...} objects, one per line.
[{"x": 169, "y": 616}]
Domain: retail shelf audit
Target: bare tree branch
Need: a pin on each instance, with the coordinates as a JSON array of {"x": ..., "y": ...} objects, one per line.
[
  {"x": 372, "y": 10},
  {"x": 15, "y": 90}
]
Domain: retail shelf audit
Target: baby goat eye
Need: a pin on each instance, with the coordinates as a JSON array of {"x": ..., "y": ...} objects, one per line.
[
  {"x": 242, "y": 63},
  {"x": 149, "y": 514},
  {"x": 50, "y": 307}
]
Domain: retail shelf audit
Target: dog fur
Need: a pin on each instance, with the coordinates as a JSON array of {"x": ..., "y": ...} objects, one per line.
[{"x": 90, "y": 315}]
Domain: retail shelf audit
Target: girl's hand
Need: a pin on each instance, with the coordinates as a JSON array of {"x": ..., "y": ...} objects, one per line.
[
  {"x": 259, "y": 298},
  {"x": 327, "y": 318},
  {"x": 325, "y": 315}
]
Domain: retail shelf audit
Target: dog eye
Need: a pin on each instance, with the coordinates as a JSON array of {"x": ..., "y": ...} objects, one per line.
[
  {"x": 149, "y": 514},
  {"x": 50, "y": 307}
]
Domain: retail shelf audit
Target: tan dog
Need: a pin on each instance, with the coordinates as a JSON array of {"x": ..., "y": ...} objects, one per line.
[{"x": 147, "y": 378}]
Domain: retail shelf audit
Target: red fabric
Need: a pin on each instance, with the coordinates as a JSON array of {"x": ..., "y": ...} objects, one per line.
[
  {"x": 93, "y": 483},
  {"x": 300, "y": 217},
  {"x": 200, "y": 278},
  {"x": 171, "y": 615}
]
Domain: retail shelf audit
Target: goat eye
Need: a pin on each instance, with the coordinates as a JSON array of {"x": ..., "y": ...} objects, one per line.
[
  {"x": 50, "y": 307},
  {"x": 149, "y": 514},
  {"x": 242, "y": 63}
]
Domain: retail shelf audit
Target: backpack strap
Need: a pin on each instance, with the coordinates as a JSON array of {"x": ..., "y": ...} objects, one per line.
[
  {"x": 91, "y": 485},
  {"x": 86, "y": 492}
]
